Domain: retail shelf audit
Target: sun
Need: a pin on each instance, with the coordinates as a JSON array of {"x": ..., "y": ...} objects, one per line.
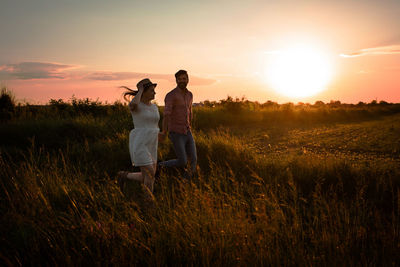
[{"x": 298, "y": 71}]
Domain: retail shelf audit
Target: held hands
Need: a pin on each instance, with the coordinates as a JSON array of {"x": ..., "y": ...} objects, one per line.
[{"x": 161, "y": 136}]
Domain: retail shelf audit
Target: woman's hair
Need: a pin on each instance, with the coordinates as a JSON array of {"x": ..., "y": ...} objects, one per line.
[{"x": 129, "y": 92}]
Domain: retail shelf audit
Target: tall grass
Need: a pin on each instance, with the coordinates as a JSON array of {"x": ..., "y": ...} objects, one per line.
[
  {"x": 240, "y": 114},
  {"x": 60, "y": 204}
]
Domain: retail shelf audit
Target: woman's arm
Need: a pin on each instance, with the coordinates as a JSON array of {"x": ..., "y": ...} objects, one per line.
[{"x": 136, "y": 100}]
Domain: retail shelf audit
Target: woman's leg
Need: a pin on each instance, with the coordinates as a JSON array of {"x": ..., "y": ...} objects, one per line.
[
  {"x": 148, "y": 173},
  {"x": 135, "y": 176},
  {"x": 155, "y": 168},
  {"x": 146, "y": 176},
  {"x": 124, "y": 175}
]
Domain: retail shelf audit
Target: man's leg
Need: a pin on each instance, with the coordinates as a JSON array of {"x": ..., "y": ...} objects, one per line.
[
  {"x": 191, "y": 152},
  {"x": 178, "y": 141}
]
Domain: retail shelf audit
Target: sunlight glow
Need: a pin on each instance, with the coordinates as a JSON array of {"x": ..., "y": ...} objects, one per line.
[{"x": 298, "y": 71}]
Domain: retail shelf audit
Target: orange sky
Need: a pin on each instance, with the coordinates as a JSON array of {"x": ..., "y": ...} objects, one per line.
[{"x": 56, "y": 49}]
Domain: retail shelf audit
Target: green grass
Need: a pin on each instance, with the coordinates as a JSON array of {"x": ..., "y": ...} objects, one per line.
[{"x": 272, "y": 189}]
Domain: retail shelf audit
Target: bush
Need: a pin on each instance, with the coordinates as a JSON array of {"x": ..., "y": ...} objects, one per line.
[{"x": 7, "y": 104}]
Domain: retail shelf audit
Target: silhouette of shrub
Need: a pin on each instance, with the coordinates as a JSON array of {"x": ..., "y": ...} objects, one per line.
[{"x": 7, "y": 105}]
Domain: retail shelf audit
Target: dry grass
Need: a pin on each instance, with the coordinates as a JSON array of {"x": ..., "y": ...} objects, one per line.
[{"x": 60, "y": 204}]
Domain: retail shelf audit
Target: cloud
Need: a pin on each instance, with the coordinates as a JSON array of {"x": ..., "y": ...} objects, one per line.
[
  {"x": 117, "y": 76},
  {"x": 113, "y": 76},
  {"x": 272, "y": 52},
  {"x": 45, "y": 70},
  {"x": 194, "y": 80},
  {"x": 34, "y": 70},
  {"x": 364, "y": 71},
  {"x": 381, "y": 50}
]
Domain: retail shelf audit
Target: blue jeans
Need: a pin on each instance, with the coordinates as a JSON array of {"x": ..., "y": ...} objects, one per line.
[{"x": 185, "y": 148}]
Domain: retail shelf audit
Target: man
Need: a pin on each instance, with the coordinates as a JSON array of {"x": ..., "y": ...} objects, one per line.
[{"x": 177, "y": 123}]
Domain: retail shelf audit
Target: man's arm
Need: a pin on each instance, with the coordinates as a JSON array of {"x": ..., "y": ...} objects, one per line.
[
  {"x": 190, "y": 110},
  {"x": 190, "y": 115},
  {"x": 165, "y": 124}
]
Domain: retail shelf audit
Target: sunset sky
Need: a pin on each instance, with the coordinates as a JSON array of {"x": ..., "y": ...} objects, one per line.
[{"x": 53, "y": 49}]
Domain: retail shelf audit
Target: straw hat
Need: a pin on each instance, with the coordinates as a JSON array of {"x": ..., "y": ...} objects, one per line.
[{"x": 145, "y": 83}]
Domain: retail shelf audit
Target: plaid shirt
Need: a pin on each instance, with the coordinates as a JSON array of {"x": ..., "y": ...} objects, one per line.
[{"x": 178, "y": 106}]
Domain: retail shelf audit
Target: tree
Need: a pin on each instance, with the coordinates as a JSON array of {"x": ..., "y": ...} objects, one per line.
[{"x": 7, "y": 105}]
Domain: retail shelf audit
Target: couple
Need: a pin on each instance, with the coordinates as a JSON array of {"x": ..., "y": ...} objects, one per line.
[{"x": 143, "y": 139}]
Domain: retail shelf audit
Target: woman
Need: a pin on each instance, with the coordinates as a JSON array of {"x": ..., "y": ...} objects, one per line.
[{"x": 143, "y": 139}]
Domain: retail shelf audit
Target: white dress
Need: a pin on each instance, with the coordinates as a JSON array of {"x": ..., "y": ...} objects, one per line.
[{"x": 143, "y": 139}]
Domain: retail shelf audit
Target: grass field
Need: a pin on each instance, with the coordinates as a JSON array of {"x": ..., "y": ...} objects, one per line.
[{"x": 302, "y": 185}]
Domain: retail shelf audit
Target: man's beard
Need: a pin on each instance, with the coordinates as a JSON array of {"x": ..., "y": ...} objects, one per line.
[{"x": 182, "y": 85}]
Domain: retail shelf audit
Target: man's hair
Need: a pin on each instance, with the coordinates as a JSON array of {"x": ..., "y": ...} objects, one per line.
[{"x": 180, "y": 72}]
